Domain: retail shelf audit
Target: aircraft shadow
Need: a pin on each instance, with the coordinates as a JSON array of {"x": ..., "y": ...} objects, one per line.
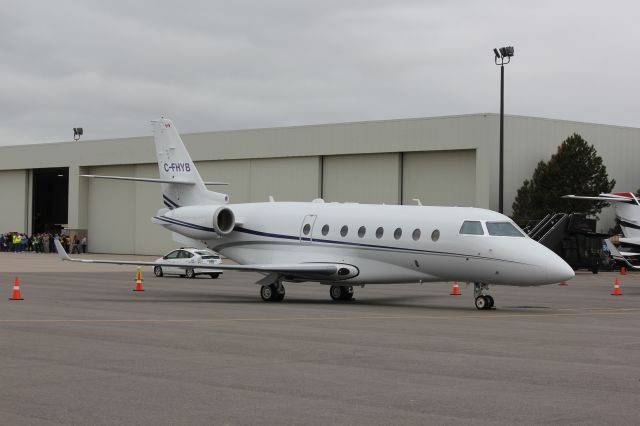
[{"x": 405, "y": 302}]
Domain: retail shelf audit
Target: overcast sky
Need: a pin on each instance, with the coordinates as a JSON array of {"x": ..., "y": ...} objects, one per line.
[{"x": 111, "y": 66}]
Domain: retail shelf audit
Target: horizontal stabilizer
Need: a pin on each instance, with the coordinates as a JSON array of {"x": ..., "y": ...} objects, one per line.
[{"x": 139, "y": 179}]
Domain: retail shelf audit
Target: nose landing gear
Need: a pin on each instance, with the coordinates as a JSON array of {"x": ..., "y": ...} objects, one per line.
[{"x": 483, "y": 300}]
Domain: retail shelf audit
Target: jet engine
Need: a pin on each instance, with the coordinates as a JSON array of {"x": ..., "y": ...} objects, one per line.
[{"x": 199, "y": 222}]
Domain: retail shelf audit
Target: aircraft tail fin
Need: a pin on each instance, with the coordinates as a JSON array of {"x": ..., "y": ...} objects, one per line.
[{"x": 175, "y": 165}]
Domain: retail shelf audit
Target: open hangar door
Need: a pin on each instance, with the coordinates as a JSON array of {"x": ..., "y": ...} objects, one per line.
[
  {"x": 50, "y": 199},
  {"x": 440, "y": 178}
]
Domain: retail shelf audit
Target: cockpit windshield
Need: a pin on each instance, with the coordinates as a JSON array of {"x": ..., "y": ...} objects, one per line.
[
  {"x": 471, "y": 227},
  {"x": 503, "y": 229}
]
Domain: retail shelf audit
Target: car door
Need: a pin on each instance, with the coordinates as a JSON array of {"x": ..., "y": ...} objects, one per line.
[
  {"x": 171, "y": 258},
  {"x": 186, "y": 258}
]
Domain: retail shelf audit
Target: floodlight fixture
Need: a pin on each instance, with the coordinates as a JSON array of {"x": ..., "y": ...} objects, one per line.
[{"x": 77, "y": 132}]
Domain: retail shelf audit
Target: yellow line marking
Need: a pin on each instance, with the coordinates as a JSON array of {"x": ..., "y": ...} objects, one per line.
[{"x": 586, "y": 312}]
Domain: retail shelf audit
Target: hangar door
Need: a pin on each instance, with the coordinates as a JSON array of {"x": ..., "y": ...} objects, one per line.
[
  {"x": 440, "y": 178},
  {"x": 361, "y": 178}
]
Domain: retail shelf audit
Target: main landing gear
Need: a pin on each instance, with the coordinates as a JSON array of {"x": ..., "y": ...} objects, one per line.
[
  {"x": 483, "y": 300},
  {"x": 272, "y": 292},
  {"x": 341, "y": 292}
]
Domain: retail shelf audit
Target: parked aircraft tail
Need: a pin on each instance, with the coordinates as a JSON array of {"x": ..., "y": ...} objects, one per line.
[{"x": 181, "y": 182}]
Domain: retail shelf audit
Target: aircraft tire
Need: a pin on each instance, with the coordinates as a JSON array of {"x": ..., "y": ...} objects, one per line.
[
  {"x": 481, "y": 302},
  {"x": 157, "y": 270},
  {"x": 340, "y": 292},
  {"x": 270, "y": 293},
  {"x": 489, "y": 301}
]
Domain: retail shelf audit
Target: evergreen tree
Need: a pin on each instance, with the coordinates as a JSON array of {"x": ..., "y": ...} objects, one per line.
[{"x": 576, "y": 169}]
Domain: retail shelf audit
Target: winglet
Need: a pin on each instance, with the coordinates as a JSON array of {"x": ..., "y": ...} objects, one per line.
[{"x": 63, "y": 254}]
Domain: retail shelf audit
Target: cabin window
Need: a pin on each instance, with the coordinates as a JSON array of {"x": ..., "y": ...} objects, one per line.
[
  {"x": 344, "y": 230},
  {"x": 379, "y": 232},
  {"x": 325, "y": 230},
  {"x": 435, "y": 235},
  {"x": 361, "y": 231},
  {"x": 471, "y": 227},
  {"x": 397, "y": 233},
  {"x": 306, "y": 229},
  {"x": 416, "y": 234},
  {"x": 503, "y": 229}
]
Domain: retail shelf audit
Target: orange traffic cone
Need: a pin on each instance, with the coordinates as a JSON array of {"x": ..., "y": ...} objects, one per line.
[
  {"x": 15, "y": 295},
  {"x": 563, "y": 283},
  {"x": 616, "y": 288},
  {"x": 623, "y": 270},
  {"x": 455, "y": 291},
  {"x": 138, "y": 280}
]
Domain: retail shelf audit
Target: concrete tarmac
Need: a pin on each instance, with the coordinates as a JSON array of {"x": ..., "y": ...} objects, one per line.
[{"x": 83, "y": 348}]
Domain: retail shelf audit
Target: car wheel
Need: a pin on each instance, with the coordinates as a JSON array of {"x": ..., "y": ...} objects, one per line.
[
  {"x": 214, "y": 276},
  {"x": 158, "y": 271},
  {"x": 190, "y": 273}
]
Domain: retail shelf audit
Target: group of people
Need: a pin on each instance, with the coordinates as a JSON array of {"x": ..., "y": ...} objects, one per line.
[{"x": 18, "y": 242}]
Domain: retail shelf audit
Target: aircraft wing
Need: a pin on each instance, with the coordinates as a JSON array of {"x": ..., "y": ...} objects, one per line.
[
  {"x": 320, "y": 270},
  {"x": 615, "y": 253},
  {"x": 612, "y": 198}
]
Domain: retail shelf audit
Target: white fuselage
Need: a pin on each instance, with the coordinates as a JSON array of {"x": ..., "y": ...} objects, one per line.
[{"x": 310, "y": 232}]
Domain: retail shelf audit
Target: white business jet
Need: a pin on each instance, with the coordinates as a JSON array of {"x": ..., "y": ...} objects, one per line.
[
  {"x": 342, "y": 244},
  {"x": 626, "y": 207}
]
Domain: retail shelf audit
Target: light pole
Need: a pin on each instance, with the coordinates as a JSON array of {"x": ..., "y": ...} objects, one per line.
[{"x": 503, "y": 57}]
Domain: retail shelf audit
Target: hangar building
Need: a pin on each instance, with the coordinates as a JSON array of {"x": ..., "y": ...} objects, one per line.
[{"x": 441, "y": 161}]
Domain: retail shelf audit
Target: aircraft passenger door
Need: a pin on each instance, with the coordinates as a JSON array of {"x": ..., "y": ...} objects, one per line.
[{"x": 306, "y": 229}]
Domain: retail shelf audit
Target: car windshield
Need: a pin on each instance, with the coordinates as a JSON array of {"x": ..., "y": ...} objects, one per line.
[{"x": 503, "y": 229}]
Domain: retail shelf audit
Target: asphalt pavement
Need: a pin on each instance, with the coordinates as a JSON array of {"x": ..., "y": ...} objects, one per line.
[{"x": 83, "y": 348}]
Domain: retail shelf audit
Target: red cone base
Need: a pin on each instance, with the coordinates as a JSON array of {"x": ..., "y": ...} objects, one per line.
[
  {"x": 455, "y": 291},
  {"x": 616, "y": 288},
  {"x": 138, "y": 285},
  {"x": 15, "y": 295}
]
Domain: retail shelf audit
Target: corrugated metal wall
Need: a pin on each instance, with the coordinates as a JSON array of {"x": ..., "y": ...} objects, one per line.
[{"x": 440, "y": 178}]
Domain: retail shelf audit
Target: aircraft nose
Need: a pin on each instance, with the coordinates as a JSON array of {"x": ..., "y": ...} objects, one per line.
[{"x": 559, "y": 270}]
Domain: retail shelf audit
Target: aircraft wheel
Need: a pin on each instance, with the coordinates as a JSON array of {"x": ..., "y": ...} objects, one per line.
[
  {"x": 190, "y": 273},
  {"x": 481, "y": 302},
  {"x": 157, "y": 270},
  {"x": 340, "y": 292},
  {"x": 214, "y": 276},
  {"x": 335, "y": 292},
  {"x": 489, "y": 301},
  {"x": 270, "y": 293}
]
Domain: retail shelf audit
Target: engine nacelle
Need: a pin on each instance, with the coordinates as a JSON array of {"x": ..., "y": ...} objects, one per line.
[
  {"x": 199, "y": 222},
  {"x": 223, "y": 220}
]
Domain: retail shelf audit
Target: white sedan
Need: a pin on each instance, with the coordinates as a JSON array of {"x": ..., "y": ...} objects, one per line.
[{"x": 187, "y": 261}]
